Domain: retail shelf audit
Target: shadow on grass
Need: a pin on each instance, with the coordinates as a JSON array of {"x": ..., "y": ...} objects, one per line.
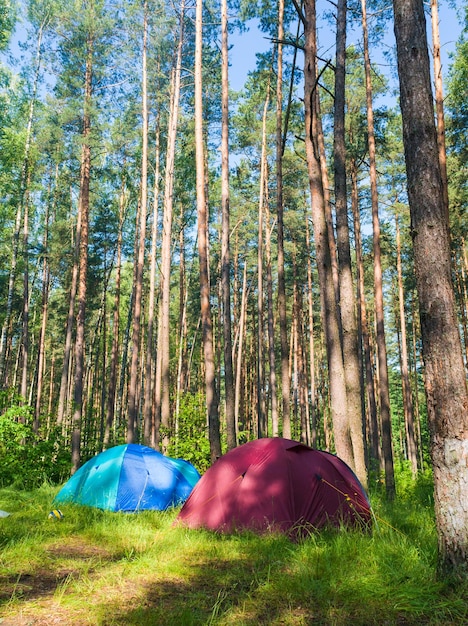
[
  {"x": 217, "y": 591},
  {"x": 41, "y": 581}
]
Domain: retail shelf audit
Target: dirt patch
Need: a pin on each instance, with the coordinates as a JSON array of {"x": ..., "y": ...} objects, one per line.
[{"x": 76, "y": 548}]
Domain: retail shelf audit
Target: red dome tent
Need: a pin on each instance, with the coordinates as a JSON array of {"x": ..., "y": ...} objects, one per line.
[{"x": 276, "y": 484}]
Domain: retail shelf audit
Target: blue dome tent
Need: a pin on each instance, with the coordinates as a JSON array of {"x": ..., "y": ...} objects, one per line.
[{"x": 130, "y": 477}]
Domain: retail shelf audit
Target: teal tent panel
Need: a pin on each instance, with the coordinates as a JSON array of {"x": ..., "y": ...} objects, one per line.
[{"x": 96, "y": 482}]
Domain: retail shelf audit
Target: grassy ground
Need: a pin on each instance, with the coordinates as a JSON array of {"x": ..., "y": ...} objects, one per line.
[{"x": 97, "y": 568}]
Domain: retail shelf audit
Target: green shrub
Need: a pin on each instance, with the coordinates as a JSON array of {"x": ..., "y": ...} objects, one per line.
[
  {"x": 191, "y": 442},
  {"x": 27, "y": 459}
]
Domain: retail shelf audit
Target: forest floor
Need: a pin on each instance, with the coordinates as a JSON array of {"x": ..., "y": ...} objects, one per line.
[{"x": 101, "y": 569}]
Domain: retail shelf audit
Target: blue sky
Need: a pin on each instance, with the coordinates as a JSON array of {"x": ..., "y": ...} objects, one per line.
[{"x": 246, "y": 45}]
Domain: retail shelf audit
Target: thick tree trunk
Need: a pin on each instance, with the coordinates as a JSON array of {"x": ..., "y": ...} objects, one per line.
[
  {"x": 445, "y": 381},
  {"x": 212, "y": 400},
  {"x": 322, "y": 247},
  {"x": 347, "y": 298}
]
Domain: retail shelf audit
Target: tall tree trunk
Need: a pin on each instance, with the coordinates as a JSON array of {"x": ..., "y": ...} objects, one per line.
[
  {"x": 212, "y": 401},
  {"x": 182, "y": 348},
  {"x": 83, "y": 261},
  {"x": 148, "y": 403},
  {"x": 229, "y": 388},
  {"x": 262, "y": 430},
  {"x": 405, "y": 379},
  {"x": 42, "y": 334},
  {"x": 133, "y": 389},
  {"x": 25, "y": 333},
  {"x": 285, "y": 382},
  {"x": 328, "y": 209},
  {"x": 373, "y": 425},
  {"x": 310, "y": 306},
  {"x": 24, "y": 184},
  {"x": 384, "y": 393},
  {"x": 445, "y": 380},
  {"x": 240, "y": 347},
  {"x": 67, "y": 351},
  {"x": 347, "y": 298},
  {"x": 322, "y": 247},
  {"x": 111, "y": 395},
  {"x": 271, "y": 322},
  {"x": 162, "y": 401}
]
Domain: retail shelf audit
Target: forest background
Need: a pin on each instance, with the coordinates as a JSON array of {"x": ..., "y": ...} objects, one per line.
[{"x": 152, "y": 294}]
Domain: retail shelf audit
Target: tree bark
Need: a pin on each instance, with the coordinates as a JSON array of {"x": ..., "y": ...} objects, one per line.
[
  {"x": 148, "y": 399},
  {"x": 322, "y": 246},
  {"x": 111, "y": 395},
  {"x": 212, "y": 400},
  {"x": 42, "y": 334},
  {"x": 133, "y": 395},
  {"x": 229, "y": 386},
  {"x": 445, "y": 381},
  {"x": 261, "y": 417},
  {"x": 405, "y": 380},
  {"x": 162, "y": 403},
  {"x": 310, "y": 306},
  {"x": 240, "y": 347},
  {"x": 384, "y": 393},
  {"x": 271, "y": 323},
  {"x": 373, "y": 453},
  {"x": 285, "y": 382},
  {"x": 67, "y": 351},
  {"x": 25, "y": 332},
  {"x": 347, "y": 298},
  {"x": 83, "y": 261}
]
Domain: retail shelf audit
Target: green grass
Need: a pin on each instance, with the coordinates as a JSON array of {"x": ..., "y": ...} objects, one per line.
[{"x": 99, "y": 568}]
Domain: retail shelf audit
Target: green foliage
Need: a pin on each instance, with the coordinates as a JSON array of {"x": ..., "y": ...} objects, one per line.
[
  {"x": 192, "y": 442},
  {"x": 28, "y": 460},
  {"x": 457, "y": 135},
  {"x": 7, "y": 21}
]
